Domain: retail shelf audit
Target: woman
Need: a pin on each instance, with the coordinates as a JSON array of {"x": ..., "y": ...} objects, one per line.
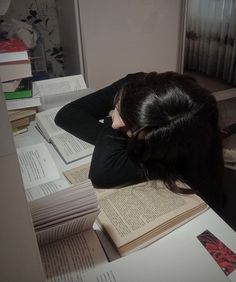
[{"x": 156, "y": 126}]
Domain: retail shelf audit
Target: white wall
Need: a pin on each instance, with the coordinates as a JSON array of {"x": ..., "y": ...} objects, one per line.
[{"x": 123, "y": 36}]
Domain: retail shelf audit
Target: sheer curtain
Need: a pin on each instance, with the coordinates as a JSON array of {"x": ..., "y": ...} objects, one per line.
[{"x": 210, "y": 45}]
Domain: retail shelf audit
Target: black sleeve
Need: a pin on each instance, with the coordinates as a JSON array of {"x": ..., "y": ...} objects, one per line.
[
  {"x": 81, "y": 117},
  {"x": 111, "y": 164}
]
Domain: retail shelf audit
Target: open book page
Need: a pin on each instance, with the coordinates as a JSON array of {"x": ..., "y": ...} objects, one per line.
[
  {"x": 137, "y": 215},
  {"x": 178, "y": 257},
  {"x": 59, "y": 91},
  {"x": 36, "y": 164},
  {"x": 46, "y": 124},
  {"x": 54, "y": 86},
  {"x": 77, "y": 174},
  {"x": 67, "y": 260},
  {"x": 46, "y": 189},
  {"x": 70, "y": 147},
  {"x": 65, "y": 212},
  {"x": 52, "y": 233}
]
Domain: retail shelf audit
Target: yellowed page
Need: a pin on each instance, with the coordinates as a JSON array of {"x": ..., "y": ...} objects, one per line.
[
  {"x": 128, "y": 213},
  {"x": 69, "y": 259},
  {"x": 77, "y": 174}
]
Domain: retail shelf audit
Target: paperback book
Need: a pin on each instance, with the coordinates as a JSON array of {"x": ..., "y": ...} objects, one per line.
[
  {"x": 69, "y": 147},
  {"x": 24, "y": 90},
  {"x": 135, "y": 216}
]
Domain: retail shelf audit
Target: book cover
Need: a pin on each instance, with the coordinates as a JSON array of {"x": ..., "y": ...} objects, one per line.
[
  {"x": 24, "y": 90},
  {"x": 12, "y": 50},
  {"x": 12, "y": 45}
]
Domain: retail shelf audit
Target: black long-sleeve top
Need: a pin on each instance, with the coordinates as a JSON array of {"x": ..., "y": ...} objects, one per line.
[{"x": 111, "y": 164}]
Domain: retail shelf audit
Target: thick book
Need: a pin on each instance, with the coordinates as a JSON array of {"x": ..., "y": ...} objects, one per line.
[
  {"x": 58, "y": 208},
  {"x": 135, "y": 216},
  {"x": 24, "y": 90},
  {"x": 63, "y": 216},
  {"x": 18, "y": 104},
  {"x": 12, "y": 50},
  {"x": 15, "y": 70},
  {"x": 69, "y": 147}
]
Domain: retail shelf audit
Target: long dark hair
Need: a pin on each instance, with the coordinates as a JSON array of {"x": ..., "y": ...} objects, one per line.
[{"x": 179, "y": 123}]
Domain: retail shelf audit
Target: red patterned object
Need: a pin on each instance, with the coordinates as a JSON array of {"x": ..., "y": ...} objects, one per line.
[
  {"x": 224, "y": 257},
  {"x": 12, "y": 45}
]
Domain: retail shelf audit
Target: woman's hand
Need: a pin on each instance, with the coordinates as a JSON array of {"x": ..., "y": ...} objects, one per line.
[{"x": 117, "y": 121}]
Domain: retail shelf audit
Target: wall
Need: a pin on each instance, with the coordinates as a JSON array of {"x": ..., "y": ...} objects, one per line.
[{"x": 118, "y": 37}]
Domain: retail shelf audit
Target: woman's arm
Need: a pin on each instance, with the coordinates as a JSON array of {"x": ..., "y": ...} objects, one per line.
[
  {"x": 81, "y": 117},
  {"x": 111, "y": 163}
]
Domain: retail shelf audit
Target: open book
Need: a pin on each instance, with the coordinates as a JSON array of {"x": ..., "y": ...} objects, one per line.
[
  {"x": 68, "y": 146},
  {"x": 63, "y": 215},
  {"x": 58, "y": 208},
  {"x": 55, "y": 92},
  {"x": 137, "y": 215}
]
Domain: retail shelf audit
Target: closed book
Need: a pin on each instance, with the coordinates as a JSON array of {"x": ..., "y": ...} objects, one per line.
[
  {"x": 24, "y": 90},
  {"x": 12, "y": 50},
  {"x": 15, "y": 70},
  {"x": 10, "y": 86}
]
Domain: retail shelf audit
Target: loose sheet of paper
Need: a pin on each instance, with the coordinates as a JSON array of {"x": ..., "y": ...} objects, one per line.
[{"x": 36, "y": 164}]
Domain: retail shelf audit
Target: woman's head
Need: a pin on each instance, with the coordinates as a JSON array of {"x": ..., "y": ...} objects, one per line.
[{"x": 174, "y": 125}]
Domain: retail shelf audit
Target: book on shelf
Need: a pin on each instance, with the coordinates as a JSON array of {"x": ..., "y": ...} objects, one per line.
[
  {"x": 69, "y": 147},
  {"x": 24, "y": 90}
]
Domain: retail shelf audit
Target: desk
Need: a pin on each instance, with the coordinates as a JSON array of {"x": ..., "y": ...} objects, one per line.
[{"x": 179, "y": 256}]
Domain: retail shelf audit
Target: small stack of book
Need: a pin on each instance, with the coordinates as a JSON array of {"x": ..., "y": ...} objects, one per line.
[
  {"x": 14, "y": 63},
  {"x": 20, "y": 119},
  {"x": 16, "y": 78}
]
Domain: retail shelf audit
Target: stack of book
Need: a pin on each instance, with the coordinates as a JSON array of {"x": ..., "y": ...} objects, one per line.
[{"x": 16, "y": 78}]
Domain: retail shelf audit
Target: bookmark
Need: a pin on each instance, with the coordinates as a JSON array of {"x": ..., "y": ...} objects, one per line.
[{"x": 223, "y": 256}]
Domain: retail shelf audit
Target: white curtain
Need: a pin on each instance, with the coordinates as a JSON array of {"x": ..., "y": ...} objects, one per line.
[{"x": 210, "y": 45}]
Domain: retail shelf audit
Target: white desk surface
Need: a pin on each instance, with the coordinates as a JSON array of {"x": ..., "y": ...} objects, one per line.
[{"x": 178, "y": 256}]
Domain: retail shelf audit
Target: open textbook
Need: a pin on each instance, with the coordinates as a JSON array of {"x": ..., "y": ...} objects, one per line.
[
  {"x": 58, "y": 208},
  {"x": 55, "y": 92},
  {"x": 68, "y": 146},
  {"x": 63, "y": 215},
  {"x": 137, "y": 215}
]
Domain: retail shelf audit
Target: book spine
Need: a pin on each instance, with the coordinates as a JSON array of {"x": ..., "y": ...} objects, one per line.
[{"x": 18, "y": 94}]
